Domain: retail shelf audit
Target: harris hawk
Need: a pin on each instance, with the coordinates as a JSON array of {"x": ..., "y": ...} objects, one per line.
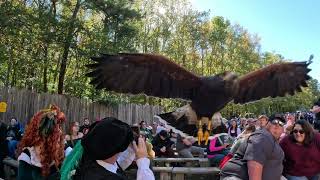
[{"x": 158, "y": 76}]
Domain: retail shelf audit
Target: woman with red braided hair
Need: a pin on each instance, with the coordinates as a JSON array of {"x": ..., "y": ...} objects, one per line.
[{"x": 42, "y": 146}]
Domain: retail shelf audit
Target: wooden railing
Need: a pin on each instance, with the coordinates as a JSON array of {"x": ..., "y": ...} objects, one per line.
[
  {"x": 179, "y": 173},
  {"x": 165, "y": 173},
  {"x": 203, "y": 162}
]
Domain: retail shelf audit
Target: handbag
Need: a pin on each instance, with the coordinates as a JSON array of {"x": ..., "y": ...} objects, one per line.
[{"x": 225, "y": 160}]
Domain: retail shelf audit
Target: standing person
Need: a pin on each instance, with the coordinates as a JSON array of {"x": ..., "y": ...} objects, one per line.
[
  {"x": 302, "y": 152},
  {"x": 298, "y": 115},
  {"x": 290, "y": 120},
  {"x": 233, "y": 130},
  {"x": 85, "y": 127},
  {"x": 316, "y": 110},
  {"x": 41, "y": 148},
  {"x": 95, "y": 156},
  {"x": 260, "y": 157},
  {"x": 74, "y": 136}
]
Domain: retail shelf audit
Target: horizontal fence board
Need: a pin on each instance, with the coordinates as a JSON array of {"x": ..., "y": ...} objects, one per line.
[{"x": 23, "y": 104}]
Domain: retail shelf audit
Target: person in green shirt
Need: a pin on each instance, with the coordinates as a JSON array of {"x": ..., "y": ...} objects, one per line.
[{"x": 145, "y": 131}]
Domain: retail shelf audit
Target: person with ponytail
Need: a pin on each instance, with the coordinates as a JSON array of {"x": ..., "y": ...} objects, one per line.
[{"x": 41, "y": 150}]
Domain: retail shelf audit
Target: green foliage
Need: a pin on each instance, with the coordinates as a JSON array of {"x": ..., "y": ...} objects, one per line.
[{"x": 35, "y": 34}]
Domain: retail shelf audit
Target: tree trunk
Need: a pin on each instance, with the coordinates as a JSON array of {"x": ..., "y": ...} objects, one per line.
[
  {"x": 9, "y": 66},
  {"x": 45, "y": 69},
  {"x": 66, "y": 47},
  {"x": 51, "y": 24}
]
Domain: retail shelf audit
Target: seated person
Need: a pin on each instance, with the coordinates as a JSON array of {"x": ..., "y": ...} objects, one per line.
[
  {"x": 249, "y": 129},
  {"x": 14, "y": 134},
  {"x": 217, "y": 150},
  {"x": 144, "y": 130},
  {"x": 185, "y": 148},
  {"x": 162, "y": 145},
  {"x": 74, "y": 136},
  {"x": 160, "y": 127},
  {"x": 136, "y": 134}
]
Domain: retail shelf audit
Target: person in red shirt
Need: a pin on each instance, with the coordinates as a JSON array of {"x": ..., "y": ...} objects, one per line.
[{"x": 302, "y": 152}]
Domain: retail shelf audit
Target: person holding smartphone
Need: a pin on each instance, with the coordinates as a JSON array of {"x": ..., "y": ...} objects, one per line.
[{"x": 99, "y": 154}]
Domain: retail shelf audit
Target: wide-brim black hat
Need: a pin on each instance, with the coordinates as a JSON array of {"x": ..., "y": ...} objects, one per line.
[{"x": 107, "y": 138}]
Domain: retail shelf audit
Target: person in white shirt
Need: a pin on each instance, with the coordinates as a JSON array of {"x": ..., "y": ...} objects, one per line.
[{"x": 107, "y": 149}]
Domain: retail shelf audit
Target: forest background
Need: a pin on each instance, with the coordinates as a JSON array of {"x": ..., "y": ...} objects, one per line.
[{"x": 45, "y": 45}]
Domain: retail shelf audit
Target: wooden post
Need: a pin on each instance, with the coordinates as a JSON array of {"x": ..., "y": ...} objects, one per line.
[
  {"x": 204, "y": 162},
  {"x": 7, "y": 171},
  {"x": 165, "y": 176},
  {"x": 179, "y": 177},
  {"x": 8, "y": 165},
  {"x": 165, "y": 172}
]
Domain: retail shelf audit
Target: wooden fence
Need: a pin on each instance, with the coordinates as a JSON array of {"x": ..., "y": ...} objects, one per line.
[{"x": 22, "y": 104}]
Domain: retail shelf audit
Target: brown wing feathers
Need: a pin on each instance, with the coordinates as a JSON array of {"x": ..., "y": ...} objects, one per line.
[
  {"x": 153, "y": 75},
  {"x": 156, "y": 75},
  {"x": 274, "y": 80}
]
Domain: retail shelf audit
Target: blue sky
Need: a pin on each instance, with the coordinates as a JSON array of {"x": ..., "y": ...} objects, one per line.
[{"x": 288, "y": 27}]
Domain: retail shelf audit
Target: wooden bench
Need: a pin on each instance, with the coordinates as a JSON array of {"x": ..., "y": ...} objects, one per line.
[
  {"x": 204, "y": 162},
  {"x": 179, "y": 173},
  {"x": 9, "y": 164},
  {"x": 165, "y": 172}
]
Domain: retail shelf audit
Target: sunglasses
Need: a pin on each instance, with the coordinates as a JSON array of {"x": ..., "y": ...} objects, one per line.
[
  {"x": 296, "y": 131},
  {"x": 278, "y": 122}
]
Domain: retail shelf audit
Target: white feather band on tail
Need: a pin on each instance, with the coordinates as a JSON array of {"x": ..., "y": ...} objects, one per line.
[{"x": 177, "y": 131}]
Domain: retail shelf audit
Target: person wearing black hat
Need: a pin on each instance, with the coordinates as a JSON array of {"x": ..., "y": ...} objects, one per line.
[
  {"x": 96, "y": 156},
  {"x": 316, "y": 110},
  {"x": 260, "y": 157}
]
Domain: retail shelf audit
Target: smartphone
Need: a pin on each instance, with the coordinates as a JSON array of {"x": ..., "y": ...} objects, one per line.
[{"x": 136, "y": 133}]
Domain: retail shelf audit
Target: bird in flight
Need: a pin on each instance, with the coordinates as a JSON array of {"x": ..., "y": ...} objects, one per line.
[{"x": 158, "y": 76}]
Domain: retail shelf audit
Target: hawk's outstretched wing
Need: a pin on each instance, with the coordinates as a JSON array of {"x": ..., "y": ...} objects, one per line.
[
  {"x": 273, "y": 80},
  {"x": 153, "y": 75}
]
